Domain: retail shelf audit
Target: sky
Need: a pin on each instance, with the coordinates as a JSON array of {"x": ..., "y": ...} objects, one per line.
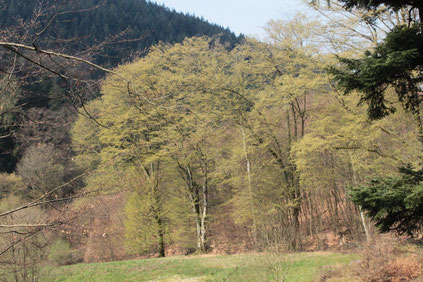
[{"x": 241, "y": 16}]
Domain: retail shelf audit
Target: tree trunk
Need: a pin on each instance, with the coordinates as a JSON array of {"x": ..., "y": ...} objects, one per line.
[
  {"x": 195, "y": 203},
  {"x": 194, "y": 197},
  {"x": 205, "y": 210},
  {"x": 250, "y": 186},
  {"x": 363, "y": 220},
  {"x": 152, "y": 174},
  {"x": 161, "y": 237},
  {"x": 296, "y": 240}
]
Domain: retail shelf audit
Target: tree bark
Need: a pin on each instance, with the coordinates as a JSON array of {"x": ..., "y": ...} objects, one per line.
[
  {"x": 194, "y": 197},
  {"x": 205, "y": 207},
  {"x": 363, "y": 220},
  {"x": 250, "y": 185}
]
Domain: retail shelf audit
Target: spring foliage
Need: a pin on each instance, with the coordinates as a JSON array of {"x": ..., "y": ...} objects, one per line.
[{"x": 257, "y": 135}]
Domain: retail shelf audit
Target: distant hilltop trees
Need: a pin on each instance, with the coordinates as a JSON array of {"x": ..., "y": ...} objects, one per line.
[{"x": 122, "y": 26}]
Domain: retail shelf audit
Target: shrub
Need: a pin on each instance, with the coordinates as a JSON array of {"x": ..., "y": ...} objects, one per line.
[
  {"x": 23, "y": 255},
  {"x": 387, "y": 260},
  {"x": 41, "y": 172},
  {"x": 60, "y": 253},
  {"x": 402, "y": 269},
  {"x": 10, "y": 183}
]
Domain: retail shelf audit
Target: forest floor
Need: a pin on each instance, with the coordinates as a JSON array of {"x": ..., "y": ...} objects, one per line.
[{"x": 242, "y": 267}]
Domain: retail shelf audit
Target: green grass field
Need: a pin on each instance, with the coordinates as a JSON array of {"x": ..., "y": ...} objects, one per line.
[{"x": 246, "y": 267}]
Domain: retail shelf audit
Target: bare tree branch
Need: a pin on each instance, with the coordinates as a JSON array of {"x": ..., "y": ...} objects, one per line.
[
  {"x": 39, "y": 201},
  {"x": 17, "y": 242},
  {"x": 14, "y": 46},
  {"x": 31, "y": 225}
]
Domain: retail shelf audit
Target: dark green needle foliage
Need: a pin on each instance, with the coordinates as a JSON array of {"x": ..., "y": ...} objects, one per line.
[
  {"x": 393, "y": 203},
  {"x": 397, "y": 62},
  {"x": 373, "y": 4}
]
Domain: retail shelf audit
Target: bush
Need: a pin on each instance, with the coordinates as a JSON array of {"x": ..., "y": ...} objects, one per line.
[
  {"x": 41, "y": 172},
  {"x": 384, "y": 260},
  {"x": 23, "y": 255},
  {"x": 403, "y": 269},
  {"x": 387, "y": 260},
  {"x": 60, "y": 253},
  {"x": 10, "y": 183}
]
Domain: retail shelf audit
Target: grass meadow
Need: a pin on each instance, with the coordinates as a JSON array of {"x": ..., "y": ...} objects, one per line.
[{"x": 243, "y": 267}]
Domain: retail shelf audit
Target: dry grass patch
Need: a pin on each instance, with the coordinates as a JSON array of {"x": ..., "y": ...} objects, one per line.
[
  {"x": 385, "y": 259},
  {"x": 402, "y": 269}
]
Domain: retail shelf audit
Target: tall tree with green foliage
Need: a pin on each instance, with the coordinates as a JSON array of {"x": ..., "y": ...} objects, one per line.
[
  {"x": 120, "y": 147},
  {"x": 163, "y": 120},
  {"x": 183, "y": 78},
  {"x": 276, "y": 83},
  {"x": 396, "y": 62}
]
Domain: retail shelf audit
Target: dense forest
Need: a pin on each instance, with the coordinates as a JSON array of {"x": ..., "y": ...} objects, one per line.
[
  {"x": 105, "y": 32},
  {"x": 205, "y": 142},
  {"x": 140, "y": 24}
]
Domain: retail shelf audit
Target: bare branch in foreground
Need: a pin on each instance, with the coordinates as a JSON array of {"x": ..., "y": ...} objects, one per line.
[{"x": 38, "y": 201}]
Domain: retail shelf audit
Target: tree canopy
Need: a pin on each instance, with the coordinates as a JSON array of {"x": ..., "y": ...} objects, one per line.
[
  {"x": 394, "y": 65},
  {"x": 396, "y": 62},
  {"x": 373, "y": 4},
  {"x": 394, "y": 203}
]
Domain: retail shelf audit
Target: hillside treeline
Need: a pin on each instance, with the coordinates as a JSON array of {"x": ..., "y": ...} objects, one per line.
[
  {"x": 105, "y": 32},
  {"x": 197, "y": 147},
  {"x": 79, "y": 25},
  {"x": 250, "y": 148}
]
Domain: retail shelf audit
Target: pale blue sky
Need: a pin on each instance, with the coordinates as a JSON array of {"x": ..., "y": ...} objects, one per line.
[{"x": 241, "y": 16}]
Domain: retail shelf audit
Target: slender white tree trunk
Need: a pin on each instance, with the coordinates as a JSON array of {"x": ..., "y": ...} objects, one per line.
[
  {"x": 363, "y": 219},
  {"x": 250, "y": 185}
]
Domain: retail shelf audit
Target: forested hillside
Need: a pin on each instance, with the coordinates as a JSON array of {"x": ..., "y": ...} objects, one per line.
[
  {"x": 139, "y": 24},
  {"x": 300, "y": 142},
  {"x": 105, "y": 32}
]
